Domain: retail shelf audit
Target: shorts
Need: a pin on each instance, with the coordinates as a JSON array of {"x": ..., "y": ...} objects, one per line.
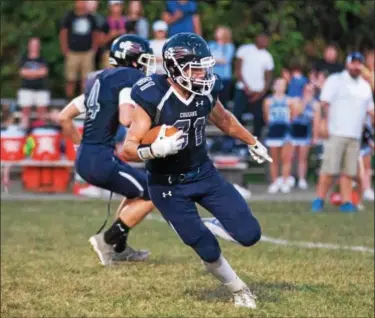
[
  {"x": 78, "y": 63},
  {"x": 365, "y": 151},
  {"x": 31, "y": 97},
  {"x": 340, "y": 156},
  {"x": 301, "y": 134},
  {"x": 278, "y": 135}
]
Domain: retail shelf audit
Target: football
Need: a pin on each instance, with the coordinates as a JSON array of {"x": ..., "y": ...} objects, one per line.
[{"x": 151, "y": 135}]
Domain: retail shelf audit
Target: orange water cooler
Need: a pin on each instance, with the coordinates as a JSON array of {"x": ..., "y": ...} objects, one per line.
[
  {"x": 45, "y": 174},
  {"x": 12, "y": 141}
]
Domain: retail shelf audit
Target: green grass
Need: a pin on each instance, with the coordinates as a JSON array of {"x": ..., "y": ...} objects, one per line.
[{"x": 49, "y": 270}]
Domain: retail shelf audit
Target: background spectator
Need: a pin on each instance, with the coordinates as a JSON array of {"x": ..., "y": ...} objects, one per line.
[
  {"x": 92, "y": 7},
  {"x": 369, "y": 75},
  {"x": 182, "y": 16},
  {"x": 160, "y": 29},
  {"x": 368, "y": 71},
  {"x": 345, "y": 110},
  {"x": 79, "y": 39},
  {"x": 276, "y": 110},
  {"x": 113, "y": 28},
  {"x": 34, "y": 87},
  {"x": 304, "y": 130},
  {"x": 329, "y": 64},
  {"x": 297, "y": 79},
  {"x": 223, "y": 51},
  {"x": 135, "y": 15},
  {"x": 253, "y": 69}
]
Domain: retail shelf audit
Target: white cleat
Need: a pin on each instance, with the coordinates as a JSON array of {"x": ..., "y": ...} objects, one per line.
[
  {"x": 244, "y": 298},
  {"x": 104, "y": 251}
]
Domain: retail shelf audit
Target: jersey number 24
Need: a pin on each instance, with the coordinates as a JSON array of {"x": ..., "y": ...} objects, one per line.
[{"x": 184, "y": 125}]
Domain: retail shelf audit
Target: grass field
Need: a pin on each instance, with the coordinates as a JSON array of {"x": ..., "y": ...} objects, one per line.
[{"x": 49, "y": 270}]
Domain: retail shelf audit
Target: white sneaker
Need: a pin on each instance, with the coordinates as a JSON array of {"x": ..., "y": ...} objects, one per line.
[
  {"x": 285, "y": 187},
  {"x": 302, "y": 184},
  {"x": 369, "y": 195},
  {"x": 274, "y": 187},
  {"x": 291, "y": 181},
  {"x": 246, "y": 194},
  {"x": 244, "y": 298},
  {"x": 360, "y": 207}
]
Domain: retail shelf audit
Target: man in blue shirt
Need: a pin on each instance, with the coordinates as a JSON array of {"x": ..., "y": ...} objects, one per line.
[{"x": 182, "y": 16}]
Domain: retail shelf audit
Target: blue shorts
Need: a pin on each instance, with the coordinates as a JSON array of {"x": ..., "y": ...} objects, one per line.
[
  {"x": 98, "y": 165},
  {"x": 301, "y": 134},
  {"x": 365, "y": 151},
  {"x": 278, "y": 135}
]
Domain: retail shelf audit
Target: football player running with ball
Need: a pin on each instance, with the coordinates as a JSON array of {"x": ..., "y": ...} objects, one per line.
[{"x": 180, "y": 173}]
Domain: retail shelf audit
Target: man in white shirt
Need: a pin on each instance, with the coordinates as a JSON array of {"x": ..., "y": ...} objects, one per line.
[
  {"x": 160, "y": 29},
  {"x": 253, "y": 69},
  {"x": 346, "y": 99}
]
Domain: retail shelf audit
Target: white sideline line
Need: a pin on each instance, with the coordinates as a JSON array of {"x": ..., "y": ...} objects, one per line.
[{"x": 276, "y": 241}]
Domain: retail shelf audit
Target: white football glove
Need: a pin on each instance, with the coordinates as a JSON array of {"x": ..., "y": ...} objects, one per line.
[
  {"x": 259, "y": 153},
  {"x": 164, "y": 146},
  {"x": 75, "y": 147}
]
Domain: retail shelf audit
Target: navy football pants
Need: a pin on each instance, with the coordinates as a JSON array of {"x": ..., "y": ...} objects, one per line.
[
  {"x": 176, "y": 203},
  {"x": 100, "y": 167}
]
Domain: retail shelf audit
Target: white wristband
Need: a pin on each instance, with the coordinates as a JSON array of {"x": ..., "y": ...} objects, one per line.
[{"x": 145, "y": 152}]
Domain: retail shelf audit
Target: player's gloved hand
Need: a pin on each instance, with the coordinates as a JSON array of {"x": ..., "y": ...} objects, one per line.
[
  {"x": 75, "y": 147},
  {"x": 164, "y": 146},
  {"x": 259, "y": 153}
]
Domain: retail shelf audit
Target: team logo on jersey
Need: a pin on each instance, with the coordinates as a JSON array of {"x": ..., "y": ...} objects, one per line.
[
  {"x": 165, "y": 194},
  {"x": 199, "y": 103}
]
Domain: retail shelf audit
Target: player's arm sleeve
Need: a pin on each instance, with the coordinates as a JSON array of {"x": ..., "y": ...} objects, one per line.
[
  {"x": 125, "y": 96},
  {"x": 144, "y": 100},
  {"x": 79, "y": 103}
]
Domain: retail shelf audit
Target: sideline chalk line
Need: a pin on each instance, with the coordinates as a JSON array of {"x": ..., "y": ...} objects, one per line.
[{"x": 301, "y": 244}]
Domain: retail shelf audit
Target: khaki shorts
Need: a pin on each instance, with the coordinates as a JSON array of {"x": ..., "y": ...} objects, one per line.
[
  {"x": 78, "y": 62},
  {"x": 31, "y": 97},
  {"x": 340, "y": 156}
]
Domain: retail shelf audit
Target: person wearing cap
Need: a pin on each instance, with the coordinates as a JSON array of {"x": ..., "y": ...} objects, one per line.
[
  {"x": 160, "y": 29},
  {"x": 346, "y": 99}
]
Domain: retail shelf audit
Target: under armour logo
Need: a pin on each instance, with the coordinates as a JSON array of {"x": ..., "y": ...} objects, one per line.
[
  {"x": 165, "y": 194},
  {"x": 120, "y": 227},
  {"x": 197, "y": 103}
]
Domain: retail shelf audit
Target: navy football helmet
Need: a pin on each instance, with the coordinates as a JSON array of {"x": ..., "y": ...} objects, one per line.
[
  {"x": 133, "y": 51},
  {"x": 188, "y": 61}
]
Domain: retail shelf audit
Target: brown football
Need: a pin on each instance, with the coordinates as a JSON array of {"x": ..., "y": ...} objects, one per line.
[{"x": 151, "y": 135}]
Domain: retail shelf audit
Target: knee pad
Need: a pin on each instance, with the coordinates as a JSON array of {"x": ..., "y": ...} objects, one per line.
[
  {"x": 248, "y": 234},
  {"x": 206, "y": 246}
]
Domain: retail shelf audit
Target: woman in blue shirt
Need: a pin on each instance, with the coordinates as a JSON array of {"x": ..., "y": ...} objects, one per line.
[{"x": 223, "y": 51}]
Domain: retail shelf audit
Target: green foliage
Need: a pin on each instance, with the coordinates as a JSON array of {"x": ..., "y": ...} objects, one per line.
[{"x": 293, "y": 25}]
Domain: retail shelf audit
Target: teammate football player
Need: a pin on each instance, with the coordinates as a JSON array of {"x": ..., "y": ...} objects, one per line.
[
  {"x": 105, "y": 102},
  {"x": 180, "y": 172}
]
